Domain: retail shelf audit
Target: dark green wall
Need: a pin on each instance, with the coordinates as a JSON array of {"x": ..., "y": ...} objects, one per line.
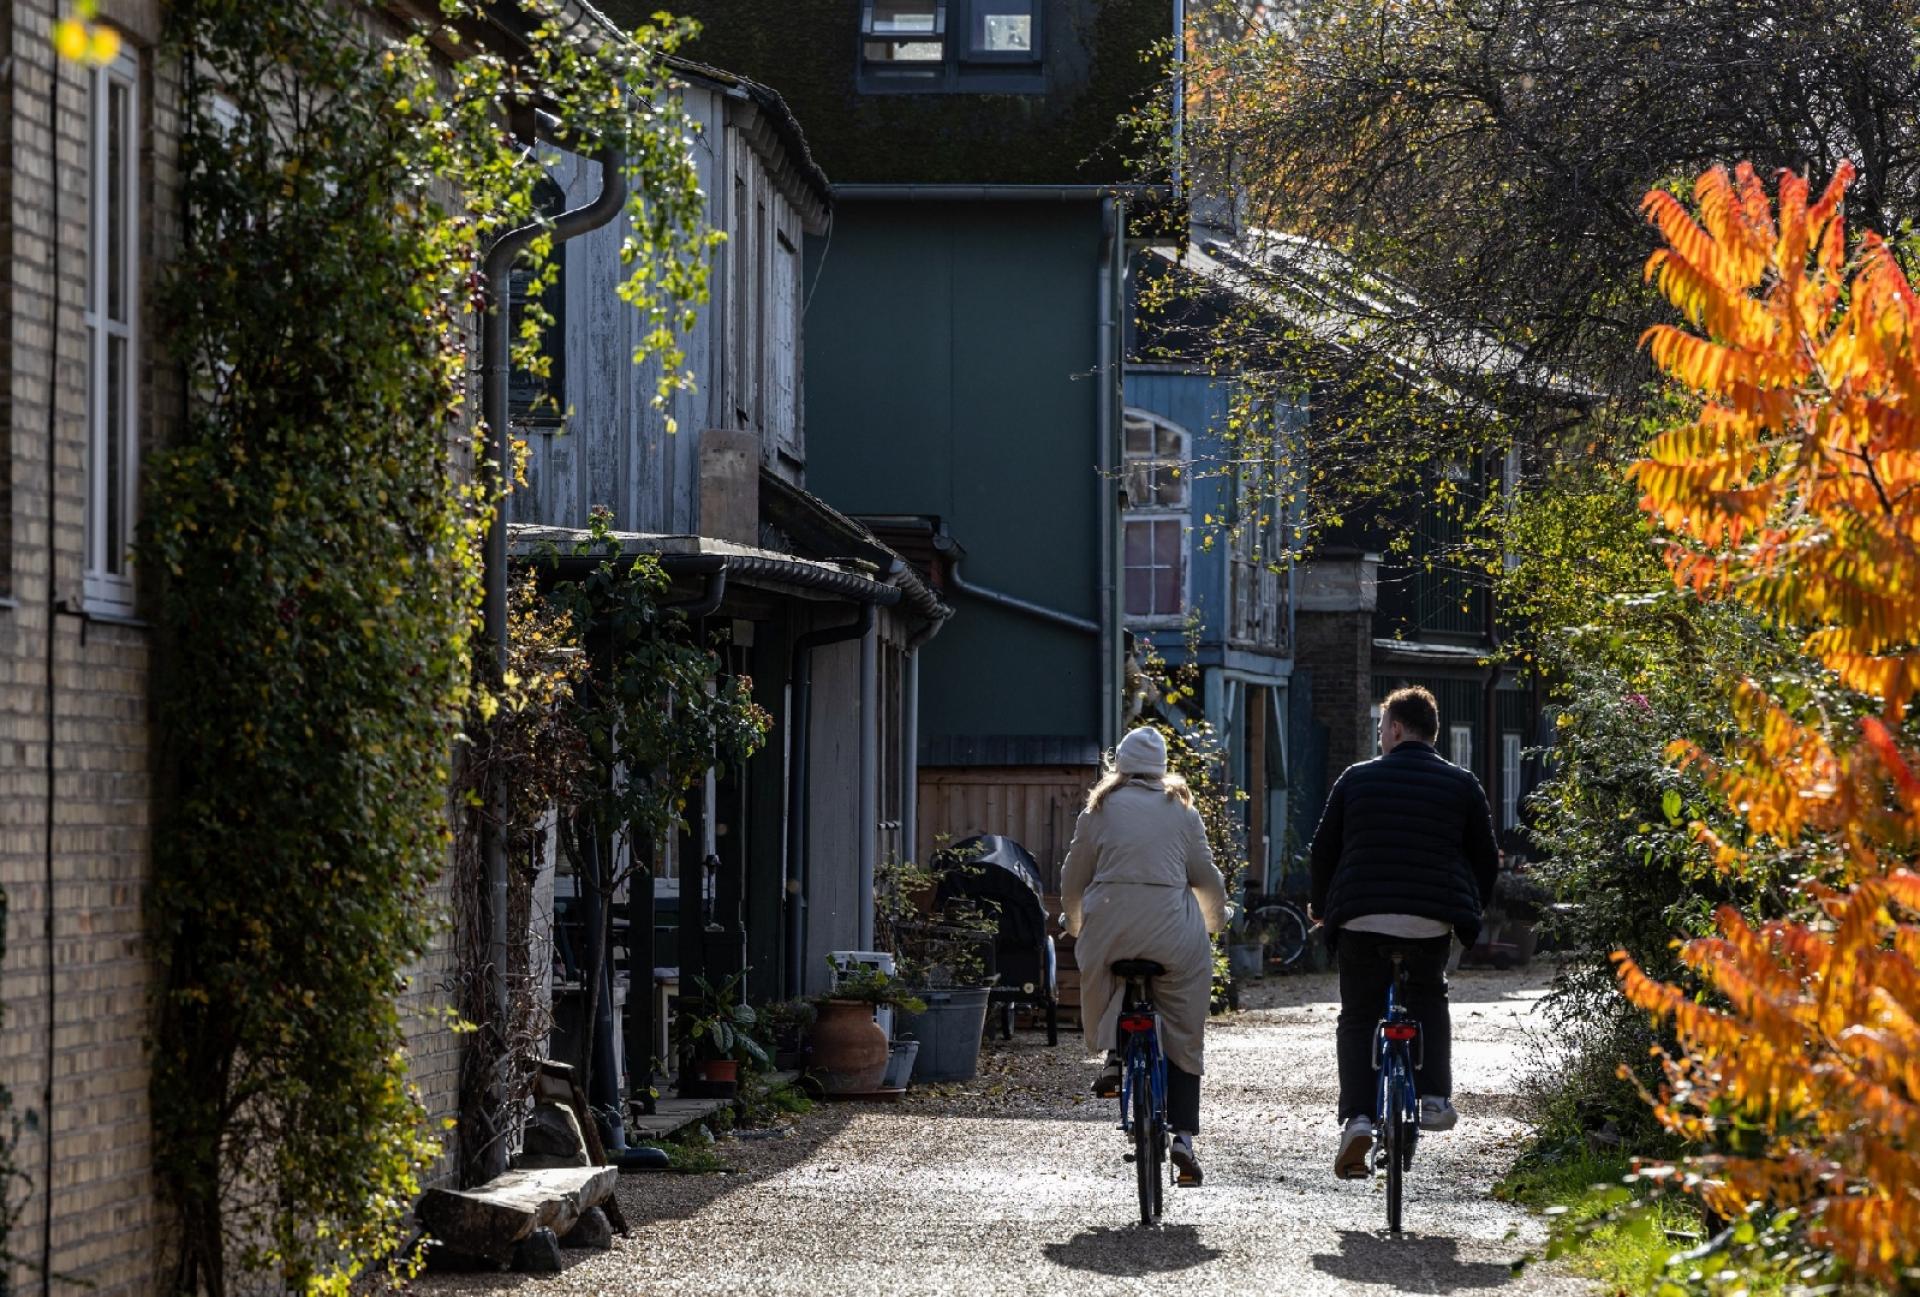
[
  {"x": 808, "y": 49},
  {"x": 949, "y": 358}
]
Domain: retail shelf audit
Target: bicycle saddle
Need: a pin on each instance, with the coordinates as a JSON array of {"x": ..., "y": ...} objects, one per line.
[{"x": 1137, "y": 968}]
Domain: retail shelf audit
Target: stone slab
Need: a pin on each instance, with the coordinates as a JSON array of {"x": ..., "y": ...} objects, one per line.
[
  {"x": 671, "y": 1116},
  {"x": 489, "y": 1221}
]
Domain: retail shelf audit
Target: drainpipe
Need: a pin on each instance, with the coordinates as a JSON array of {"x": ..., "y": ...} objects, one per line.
[
  {"x": 1107, "y": 366},
  {"x": 869, "y": 847},
  {"x": 1179, "y": 94},
  {"x": 713, "y": 567},
  {"x": 953, "y": 553},
  {"x": 799, "y": 730},
  {"x": 910, "y": 746},
  {"x": 495, "y": 367}
]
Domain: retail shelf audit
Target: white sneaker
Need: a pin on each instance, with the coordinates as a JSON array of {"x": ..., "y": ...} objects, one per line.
[
  {"x": 1437, "y": 1113},
  {"x": 1356, "y": 1141},
  {"x": 1184, "y": 1161}
]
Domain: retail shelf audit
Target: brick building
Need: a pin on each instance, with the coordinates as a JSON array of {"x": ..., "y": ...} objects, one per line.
[
  {"x": 91, "y": 210},
  {"x": 90, "y": 214},
  {"x": 88, "y": 183}
]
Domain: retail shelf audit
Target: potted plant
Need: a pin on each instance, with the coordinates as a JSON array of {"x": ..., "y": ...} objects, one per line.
[
  {"x": 716, "y": 1036},
  {"x": 850, "y": 1051},
  {"x": 787, "y": 1025},
  {"x": 948, "y": 958}
]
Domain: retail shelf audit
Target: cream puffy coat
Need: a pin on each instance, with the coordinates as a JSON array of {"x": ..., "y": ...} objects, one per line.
[{"x": 1140, "y": 883}]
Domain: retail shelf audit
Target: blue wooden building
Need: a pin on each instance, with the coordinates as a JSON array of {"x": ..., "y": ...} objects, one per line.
[{"x": 1207, "y": 580}]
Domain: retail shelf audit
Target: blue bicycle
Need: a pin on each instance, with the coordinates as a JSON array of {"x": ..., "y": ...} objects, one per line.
[
  {"x": 1397, "y": 1054},
  {"x": 1143, "y": 1082}
]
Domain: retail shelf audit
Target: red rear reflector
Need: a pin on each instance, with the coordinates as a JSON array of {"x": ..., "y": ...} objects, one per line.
[
  {"x": 1136, "y": 1022},
  {"x": 1400, "y": 1031}
]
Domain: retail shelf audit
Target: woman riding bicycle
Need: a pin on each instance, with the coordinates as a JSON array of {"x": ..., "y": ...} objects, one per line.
[{"x": 1140, "y": 883}]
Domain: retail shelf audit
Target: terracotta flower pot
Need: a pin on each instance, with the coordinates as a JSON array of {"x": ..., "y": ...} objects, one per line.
[
  {"x": 720, "y": 1070},
  {"x": 849, "y": 1050}
]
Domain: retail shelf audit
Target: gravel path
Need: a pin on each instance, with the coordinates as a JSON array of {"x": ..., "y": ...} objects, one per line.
[{"x": 1014, "y": 1183}]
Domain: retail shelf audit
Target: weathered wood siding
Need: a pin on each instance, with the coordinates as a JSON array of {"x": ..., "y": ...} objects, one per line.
[
  {"x": 614, "y": 449},
  {"x": 833, "y": 812},
  {"x": 1036, "y": 806}
]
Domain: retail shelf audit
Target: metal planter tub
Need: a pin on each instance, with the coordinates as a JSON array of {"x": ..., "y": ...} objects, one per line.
[{"x": 949, "y": 1033}]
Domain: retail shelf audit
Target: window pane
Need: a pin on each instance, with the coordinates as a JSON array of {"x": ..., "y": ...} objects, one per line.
[
  {"x": 117, "y": 144},
  {"x": 904, "y": 51},
  {"x": 1003, "y": 26},
  {"x": 1509, "y": 780},
  {"x": 1170, "y": 447},
  {"x": 113, "y": 453},
  {"x": 1169, "y": 486},
  {"x": 1139, "y": 437},
  {"x": 1139, "y": 544},
  {"x": 1166, "y": 591},
  {"x": 903, "y": 17},
  {"x": 94, "y": 213},
  {"x": 1139, "y": 592},
  {"x": 1460, "y": 745},
  {"x": 1166, "y": 542}
]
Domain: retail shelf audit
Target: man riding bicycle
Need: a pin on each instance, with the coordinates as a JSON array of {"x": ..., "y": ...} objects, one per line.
[{"x": 1403, "y": 860}]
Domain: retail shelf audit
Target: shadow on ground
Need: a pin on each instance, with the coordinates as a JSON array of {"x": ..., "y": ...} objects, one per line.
[
  {"x": 1129, "y": 1251},
  {"x": 1410, "y": 1263}
]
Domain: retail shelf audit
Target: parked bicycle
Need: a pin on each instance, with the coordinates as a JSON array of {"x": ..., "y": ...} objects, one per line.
[
  {"x": 1143, "y": 1083},
  {"x": 1280, "y": 927},
  {"x": 1397, "y": 1055}
]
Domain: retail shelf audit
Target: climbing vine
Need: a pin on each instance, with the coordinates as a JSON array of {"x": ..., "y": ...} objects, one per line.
[{"x": 312, "y": 533}]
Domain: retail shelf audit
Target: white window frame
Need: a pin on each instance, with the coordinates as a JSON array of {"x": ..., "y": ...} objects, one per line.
[
  {"x": 1156, "y": 512},
  {"x": 873, "y": 35},
  {"x": 972, "y": 50},
  {"x": 109, "y": 584},
  {"x": 1460, "y": 746},
  {"x": 1510, "y": 753}
]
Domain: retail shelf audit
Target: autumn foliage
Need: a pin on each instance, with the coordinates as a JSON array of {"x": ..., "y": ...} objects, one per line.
[{"x": 1796, "y": 491}]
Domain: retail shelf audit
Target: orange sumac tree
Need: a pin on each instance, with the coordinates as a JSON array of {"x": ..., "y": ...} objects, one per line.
[{"x": 1796, "y": 491}]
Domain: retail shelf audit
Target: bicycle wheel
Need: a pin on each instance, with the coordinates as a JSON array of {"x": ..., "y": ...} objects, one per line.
[
  {"x": 1161, "y": 1171},
  {"x": 1394, "y": 1129},
  {"x": 1146, "y": 1146},
  {"x": 1283, "y": 933}
]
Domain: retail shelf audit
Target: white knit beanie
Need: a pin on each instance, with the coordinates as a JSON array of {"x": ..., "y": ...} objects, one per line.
[{"x": 1141, "y": 752}]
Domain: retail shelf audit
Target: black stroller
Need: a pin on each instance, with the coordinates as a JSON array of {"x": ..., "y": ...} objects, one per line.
[{"x": 995, "y": 869}]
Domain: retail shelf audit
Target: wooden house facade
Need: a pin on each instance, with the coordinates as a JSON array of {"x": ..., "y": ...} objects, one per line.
[
  {"x": 1208, "y": 581},
  {"x": 1377, "y": 604},
  {"x": 777, "y": 865},
  {"x": 963, "y": 369}
]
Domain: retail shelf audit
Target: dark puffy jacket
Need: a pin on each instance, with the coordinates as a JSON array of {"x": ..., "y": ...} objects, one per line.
[{"x": 1405, "y": 833}]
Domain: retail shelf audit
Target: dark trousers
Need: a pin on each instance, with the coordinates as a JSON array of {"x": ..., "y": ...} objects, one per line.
[
  {"x": 1183, "y": 1093},
  {"x": 1366, "y": 970}
]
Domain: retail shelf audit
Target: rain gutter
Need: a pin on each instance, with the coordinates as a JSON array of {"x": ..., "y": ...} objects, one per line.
[{"x": 996, "y": 193}]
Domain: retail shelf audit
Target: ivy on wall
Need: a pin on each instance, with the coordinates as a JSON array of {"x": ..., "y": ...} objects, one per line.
[{"x": 311, "y": 543}]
